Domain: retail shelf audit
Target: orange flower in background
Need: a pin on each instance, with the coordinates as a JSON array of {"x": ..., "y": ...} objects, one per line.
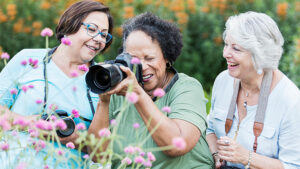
[
  {"x": 118, "y": 31},
  {"x": 37, "y": 25},
  {"x": 3, "y": 18},
  {"x": 182, "y": 17},
  {"x": 191, "y": 6},
  {"x": 220, "y": 5},
  {"x": 177, "y": 5},
  {"x": 282, "y": 9},
  {"x": 297, "y": 6},
  {"x": 147, "y": 2},
  {"x": 128, "y": 1},
  {"x": 1, "y": 50},
  {"x": 128, "y": 12},
  {"x": 45, "y": 5},
  {"x": 27, "y": 29},
  {"x": 18, "y": 26},
  {"x": 218, "y": 40},
  {"x": 205, "y": 9},
  {"x": 11, "y": 11}
]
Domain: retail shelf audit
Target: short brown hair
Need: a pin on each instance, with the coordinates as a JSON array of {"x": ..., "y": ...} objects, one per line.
[{"x": 72, "y": 18}]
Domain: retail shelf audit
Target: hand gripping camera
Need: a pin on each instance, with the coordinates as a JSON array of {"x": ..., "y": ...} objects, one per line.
[
  {"x": 103, "y": 77},
  {"x": 68, "y": 120}
]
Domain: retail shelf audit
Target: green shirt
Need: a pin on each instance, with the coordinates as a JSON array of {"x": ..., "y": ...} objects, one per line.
[{"x": 187, "y": 102}]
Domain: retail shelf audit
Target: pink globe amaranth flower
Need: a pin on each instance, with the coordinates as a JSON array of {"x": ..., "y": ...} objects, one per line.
[
  {"x": 70, "y": 145},
  {"x": 30, "y": 86},
  {"x": 135, "y": 60},
  {"x": 60, "y": 152},
  {"x": 86, "y": 156},
  {"x": 75, "y": 113},
  {"x": 24, "y": 88},
  {"x": 53, "y": 118},
  {"x": 39, "y": 101},
  {"x": 66, "y": 41},
  {"x": 179, "y": 143},
  {"x": 81, "y": 126},
  {"x": 142, "y": 153},
  {"x": 24, "y": 62},
  {"x": 151, "y": 156},
  {"x": 5, "y": 55},
  {"x": 83, "y": 67},
  {"x": 46, "y": 167},
  {"x": 33, "y": 133},
  {"x": 41, "y": 124},
  {"x": 136, "y": 125},
  {"x": 104, "y": 132},
  {"x": 132, "y": 97},
  {"x": 46, "y": 32},
  {"x": 13, "y": 91},
  {"x": 60, "y": 124},
  {"x": 139, "y": 159},
  {"x": 21, "y": 165},
  {"x": 127, "y": 161},
  {"x": 137, "y": 149},
  {"x": 49, "y": 126},
  {"x": 4, "y": 123},
  {"x": 53, "y": 107},
  {"x": 159, "y": 92},
  {"x": 147, "y": 163},
  {"x": 4, "y": 146},
  {"x": 113, "y": 122},
  {"x": 21, "y": 121},
  {"x": 42, "y": 144},
  {"x": 129, "y": 150},
  {"x": 74, "y": 73},
  {"x": 166, "y": 109},
  {"x": 33, "y": 63}
]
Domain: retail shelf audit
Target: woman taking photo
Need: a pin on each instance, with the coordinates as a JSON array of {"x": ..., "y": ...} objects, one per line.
[{"x": 254, "y": 120}]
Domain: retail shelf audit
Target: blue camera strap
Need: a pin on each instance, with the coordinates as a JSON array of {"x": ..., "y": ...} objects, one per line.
[{"x": 45, "y": 61}]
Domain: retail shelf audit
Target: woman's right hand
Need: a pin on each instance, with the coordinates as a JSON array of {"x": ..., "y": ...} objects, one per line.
[
  {"x": 104, "y": 98},
  {"x": 217, "y": 161}
]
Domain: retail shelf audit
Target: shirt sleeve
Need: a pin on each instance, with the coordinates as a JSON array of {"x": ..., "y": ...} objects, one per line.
[
  {"x": 8, "y": 79},
  {"x": 289, "y": 138},
  {"x": 189, "y": 104}
]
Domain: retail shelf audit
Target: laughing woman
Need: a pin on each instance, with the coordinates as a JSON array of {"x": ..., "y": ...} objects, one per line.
[{"x": 254, "y": 120}]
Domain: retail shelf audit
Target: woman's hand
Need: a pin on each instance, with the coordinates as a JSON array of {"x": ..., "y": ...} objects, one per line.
[
  {"x": 122, "y": 87},
  {"x": 230, "y": 150},
  {"x": 217, "y": 161}
]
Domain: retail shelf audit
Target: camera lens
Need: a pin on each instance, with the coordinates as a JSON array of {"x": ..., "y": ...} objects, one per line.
[
  {"x": 102, "y": 79},
  {"x": 70, "y": 128}
]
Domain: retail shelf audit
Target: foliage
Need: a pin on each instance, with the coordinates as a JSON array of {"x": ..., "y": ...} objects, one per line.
[{"x": 201, "y": 22}]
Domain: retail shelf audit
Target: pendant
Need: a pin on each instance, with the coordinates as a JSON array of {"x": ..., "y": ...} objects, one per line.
[{"x": 245, "y": 104}]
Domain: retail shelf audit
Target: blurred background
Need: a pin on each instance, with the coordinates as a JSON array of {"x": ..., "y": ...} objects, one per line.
[{"x": 201, "y": 22}]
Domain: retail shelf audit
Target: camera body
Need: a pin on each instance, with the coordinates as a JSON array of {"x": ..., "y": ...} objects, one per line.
[
  {"x": 68, "y": 120},
  {"x": 103, "y": 77}
]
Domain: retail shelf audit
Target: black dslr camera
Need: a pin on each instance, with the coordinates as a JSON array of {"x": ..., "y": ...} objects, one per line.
[
  {"x": 103, "y": 77},
  {"x": 68, "y": 120}
]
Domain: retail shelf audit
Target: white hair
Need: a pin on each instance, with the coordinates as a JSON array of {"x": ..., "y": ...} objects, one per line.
[{"x": 259, "y": 34}]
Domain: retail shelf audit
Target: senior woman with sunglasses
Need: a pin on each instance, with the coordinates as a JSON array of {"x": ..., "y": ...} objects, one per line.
[
  {"x": 88, "y": 26},
  {"x": 254, "y": 120}
]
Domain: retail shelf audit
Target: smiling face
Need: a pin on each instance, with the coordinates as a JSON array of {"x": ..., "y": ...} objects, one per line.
[
  {"x": 238, "y": 59},
  {"x": 140, "y": 45},
  {"x": 85, "y": 47}
]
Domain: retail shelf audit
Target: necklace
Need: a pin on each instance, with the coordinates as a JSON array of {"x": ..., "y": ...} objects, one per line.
[{"x": 245, "y": 101}]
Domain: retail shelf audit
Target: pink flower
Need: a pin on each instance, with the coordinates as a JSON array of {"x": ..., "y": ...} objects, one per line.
[
  {"x": 136, "y": 125},
  {"x": 41, "y": 124},
  {"x": 142, "y": 153},
  {"x": 13, "y": 91},
  {"x": 86, "y": 156},
  {"x": 132, "y": 97},
  {"x": 70, "y": 145},
  {"x": 4, "y": 124},
  {"x": 104, "y": 132},
  {"x": 139, "y": 159},
  {"x": 127, "y": 161},
  {"x": 80, "y": 126},
  {"x": 60, "y": 152},
  {"x": 66, "y": 41},
  {"x": 151, "y": 156},
  {"x": 75, "y": 113},
  {"x": 39, "y": 101},
  {"x": 24, "y": 88},
  {"x": 74, "y": 73},
  {"x": 166, "y": 109},
  {"x": 147, "y": 163},
  {"x": 46, "y": 32},
  {"x": 83, "y": 67},
  {"x": 4, "y": 146},
  {"x": 46, "y": 167},
  {"x": 129, "y": 150},
  {"x": 113, "y": 122},
  {"x": 179, "y": 143},
  {"x": 137, "y": 149},
  {"x": 60, "y": 123},
  {"x": 49, "y": 126},
  {"x": 31, "y": 86},
  {"x": 53, "y": 107},
  {"x": 33, "y": 133},
  {"x": 33, "y": 63},
  {"x": 21, "y": 165},
  {"x": 24, "y": 62},
  {"x": 42, "y": 144},
  {"x": 21, "y": 121},
  {"x": 159, "y": 92},
  {"x": 4, "y": 55},
  {"x": 53, "y": 118},
  {"x": 135, "y": 60},
  {"x": 74, "y": 88}
]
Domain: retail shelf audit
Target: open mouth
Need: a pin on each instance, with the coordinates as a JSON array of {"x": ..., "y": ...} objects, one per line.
[
  {"x": 232, "y": 65},
  {"x": 92, "y": 48},
  {"x": 146, "y": 78}
]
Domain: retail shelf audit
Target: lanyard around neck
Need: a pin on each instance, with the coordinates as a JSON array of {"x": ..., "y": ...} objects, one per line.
[
  {"x": 46, "y": 89},
  {"x": 261, "y": 109}
]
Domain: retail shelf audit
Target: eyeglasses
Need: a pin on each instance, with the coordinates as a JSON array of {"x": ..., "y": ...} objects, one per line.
[{"x": 93, "y": 31}]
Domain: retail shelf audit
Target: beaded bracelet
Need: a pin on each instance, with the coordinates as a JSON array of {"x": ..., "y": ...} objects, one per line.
[{"x": 249, "y": 160}]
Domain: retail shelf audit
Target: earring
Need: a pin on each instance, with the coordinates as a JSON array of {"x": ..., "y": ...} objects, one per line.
[
  {"x": 168, "y": 65},
  {"x": 259, "y": 71}
]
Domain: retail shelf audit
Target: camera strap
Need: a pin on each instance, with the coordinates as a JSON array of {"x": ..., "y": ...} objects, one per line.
[{"x": 45, "y": 62}]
